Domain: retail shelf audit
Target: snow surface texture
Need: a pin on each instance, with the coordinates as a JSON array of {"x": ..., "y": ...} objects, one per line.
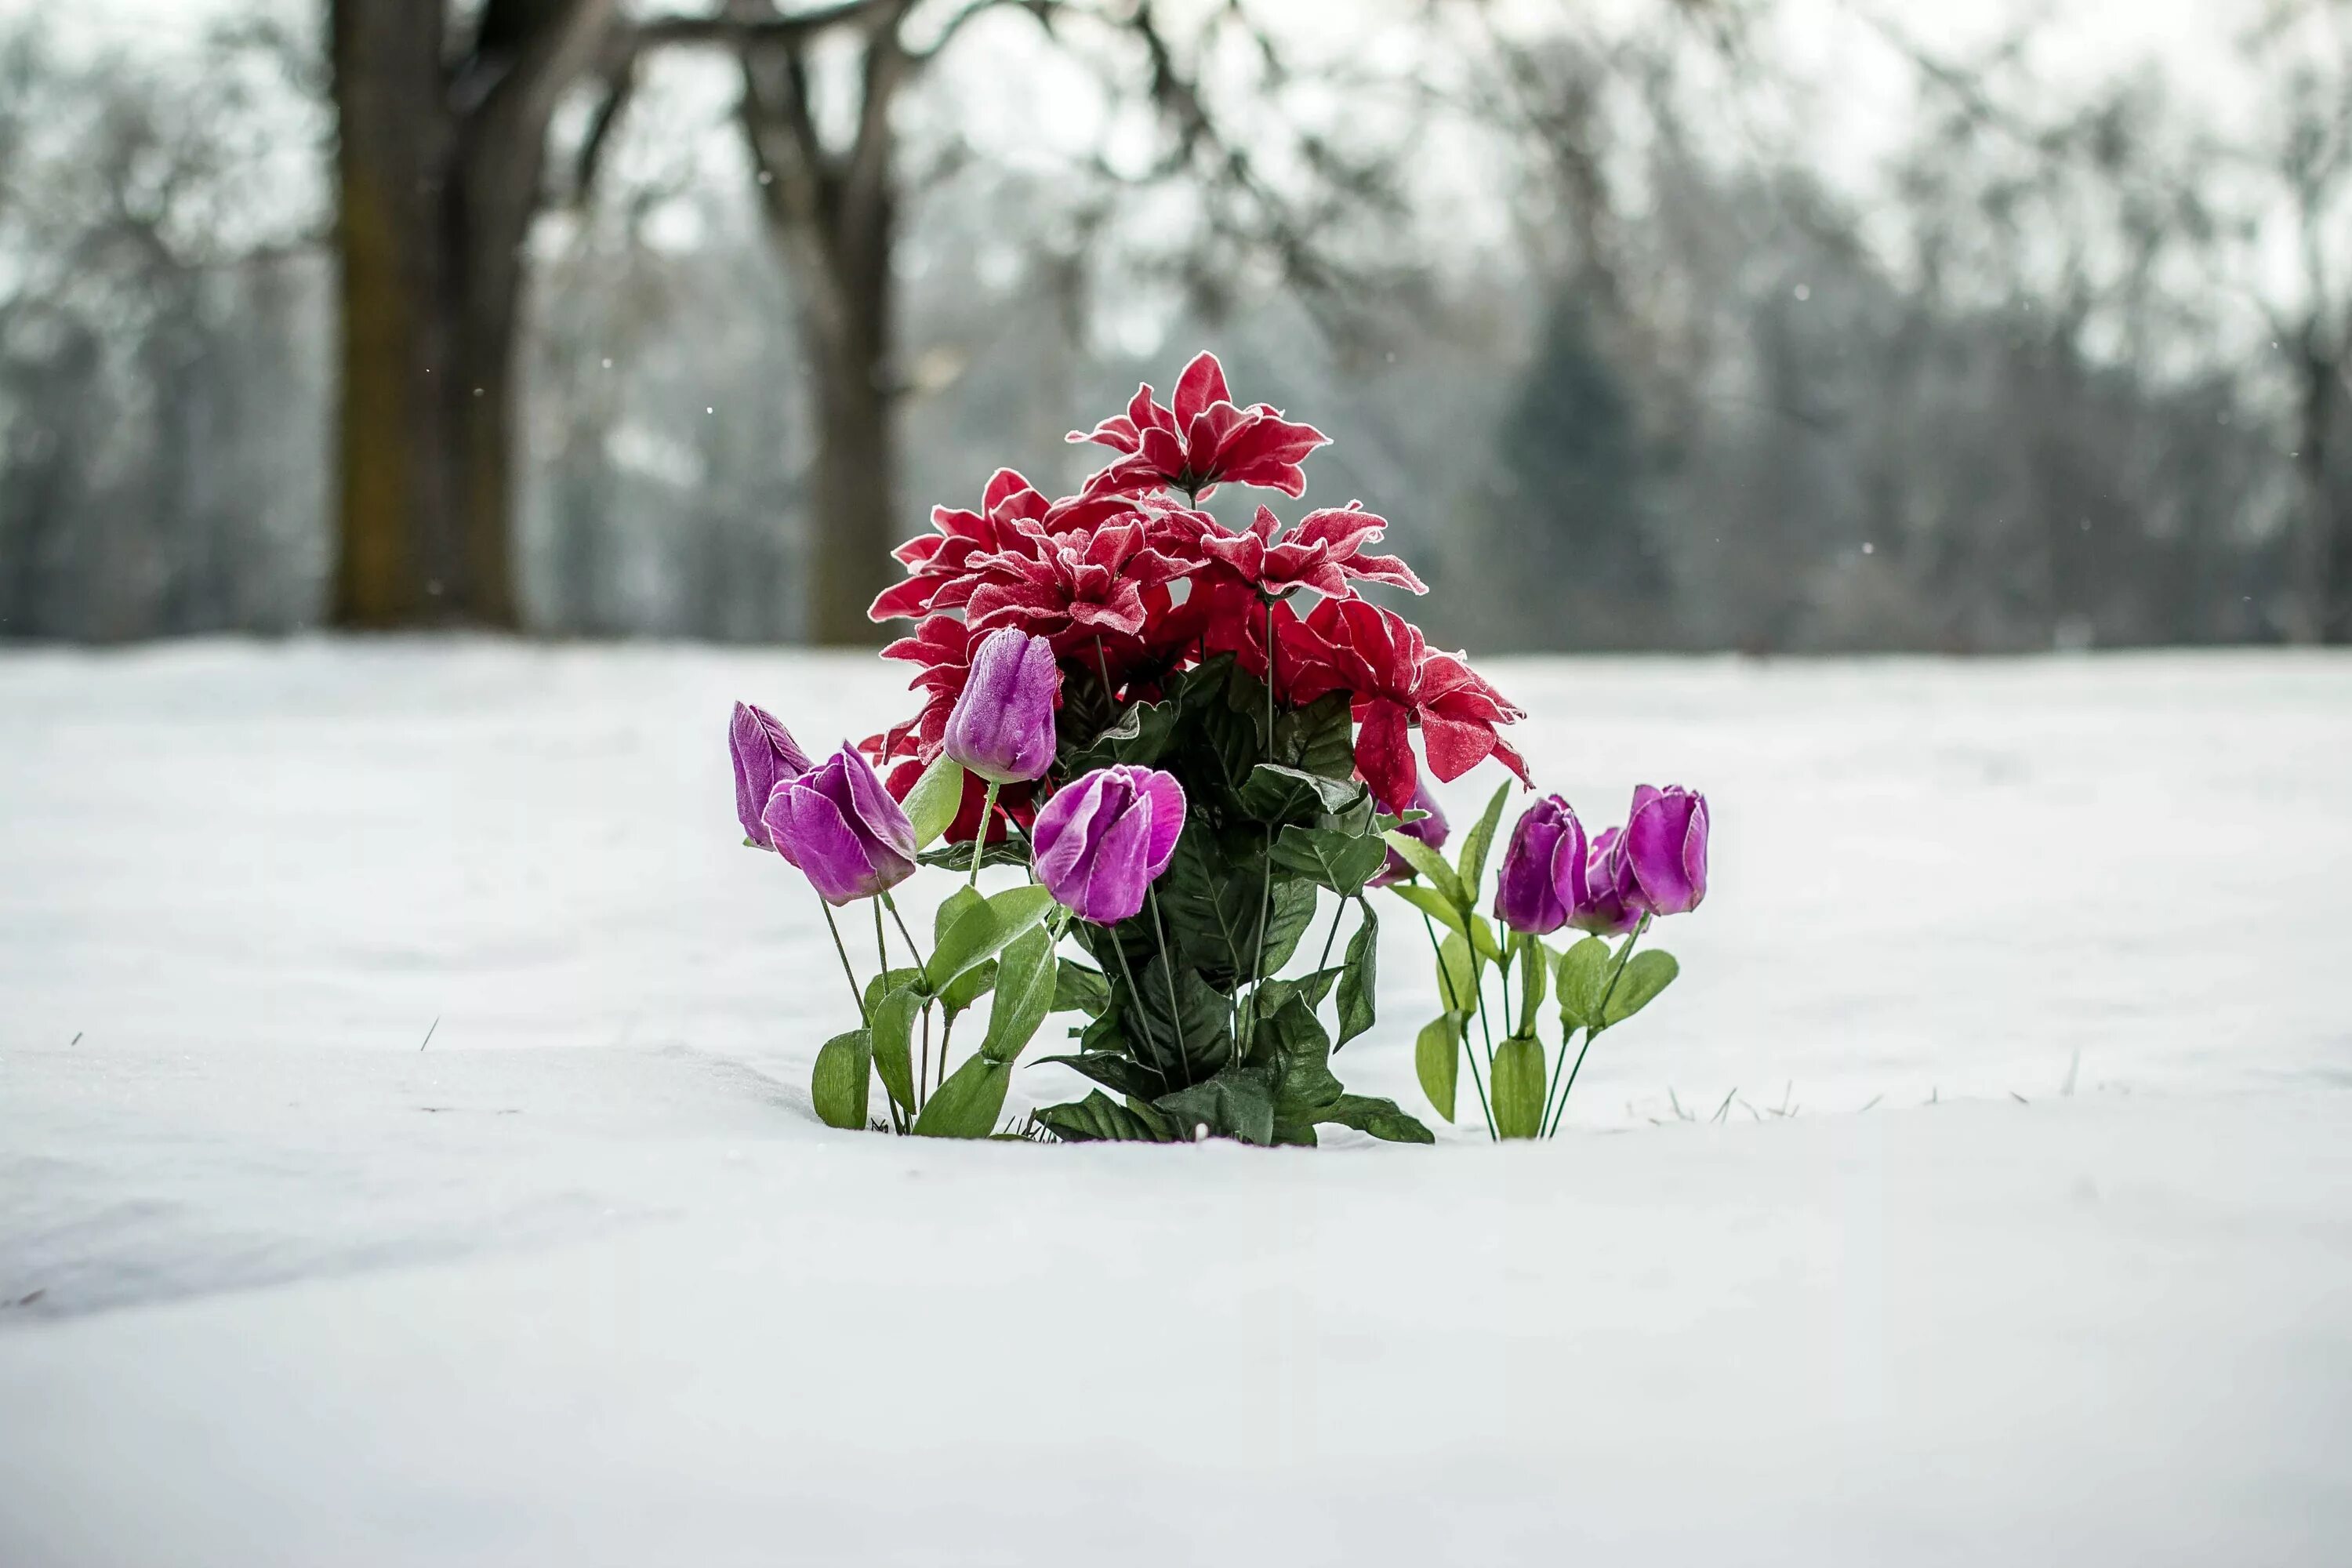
[{"x": 582, "y": 1282}]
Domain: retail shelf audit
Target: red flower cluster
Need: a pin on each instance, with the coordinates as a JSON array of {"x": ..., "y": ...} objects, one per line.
[{"x": 1128, "y": 580}]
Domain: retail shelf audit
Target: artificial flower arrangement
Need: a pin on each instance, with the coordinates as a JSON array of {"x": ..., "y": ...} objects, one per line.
[{"x": 1124, "y": 700}]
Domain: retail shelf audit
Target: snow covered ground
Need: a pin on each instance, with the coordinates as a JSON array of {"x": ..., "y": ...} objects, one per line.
[{"x": 582, "y": 1282}]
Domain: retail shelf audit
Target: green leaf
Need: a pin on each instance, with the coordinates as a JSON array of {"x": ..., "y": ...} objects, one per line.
[
  {"x": 1139, "y": 735},
  {"x": 968, "y": 988},
  {"x": 1099, "y": 1118},
  {"x": 931, "y": 806},
  {"x": 882, "y": 985},
  {"x": 1518, "y": 1087},
  {"x": 1383, "y": 1119},
  {"x": 1237, "y": 1103},
  {"x": 1025, "y": 994},
  {"x": 1457, "y": 975},
  {"x": 1645, "y": 975},
  {"x": 1482, "y": 937},
  {"x": 968, "y": 1104},
  {"x": 1358, "y": 980},
  {"x": 1078, "y": 989},
  {"x": 1211, "y": 899},
  {"x": 893, "y": 1024},
  {"x": 1584, "y": 975},
  {"x": 842, "y": 1079},
  {"x": 953, "y": 908},
  {"x": 1340, "y": 861},
  {"x": 1429, "y": 902},
  {"x": 1275, "y": 793},
  {"x": 1479, "y": 839},
  {"x": 981, "y": 932},
  {"x": 1535, "y": 974},
  {"x": 1188, "y": 1045},
  {"x": 1275, "y": 994},
  {"x": 1431, "y": 866},
  {"x": 1437, "y": 1062},
  {"x": 1300, "y": 1055},
  {"x": 957, "y": 858},
  {"x": 1293, "y": 913},
  {"x": 1113, "y": 1070},
  {"x": 1318, "y": 737}
]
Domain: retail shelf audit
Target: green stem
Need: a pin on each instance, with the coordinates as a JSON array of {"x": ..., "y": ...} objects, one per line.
[
  {"x": 1265, "y": 882},
  {"x": 1462, "y": 1033},
  {"x": 912, "y": 951},
  {"x": 882, "y": 955},
  {"x": 856, "y": 992},
  {"x": 1133, "y": 989},
  {"x": 1624, "y": 954},
  {"x": 1168, "y": 968},
  {"x": 980, "y": 839},
  {"x": 1332, "y": 935}
]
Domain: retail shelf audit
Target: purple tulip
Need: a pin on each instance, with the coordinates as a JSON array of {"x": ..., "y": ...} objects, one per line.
[
  {"x": 1104, "y": 839},
  {"x": 1431, "y": 830},
  {"x": 840, "y": 827},
  {"x": 765, "y": 756},
  {"x": 1002, "y": 728},
  {"x": 1543, "y": 880},
  {"x": 1611, "y": 904},
  {"x": 1665, "y": 849}
]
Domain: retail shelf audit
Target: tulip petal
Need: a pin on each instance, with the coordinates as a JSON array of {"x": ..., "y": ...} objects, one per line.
[
  {"x": 1115, "y": 877},
  {"x": 1163, "y": 799}
]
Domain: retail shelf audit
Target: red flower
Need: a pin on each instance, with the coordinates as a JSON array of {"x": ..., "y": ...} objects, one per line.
[
  {"x": 1203, "y": 442},
  {"x": 941, "y": 646},
  {"x": 939, "y": 562},
  {"x": 1350, "y": 645},
  {"x": 1076, "y": 586},
  {"x": 1323, "y": 552}
]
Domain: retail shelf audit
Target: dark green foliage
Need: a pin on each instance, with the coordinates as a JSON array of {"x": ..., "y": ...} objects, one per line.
[
  {"x": 1099, "y": 1118},
  {"x": 1188, "y": 1027}
]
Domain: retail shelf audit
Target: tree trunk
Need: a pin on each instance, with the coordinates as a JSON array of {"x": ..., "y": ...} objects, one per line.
[
  {"x": 2325, "y": 568},
  {"x": 438, "y": 170},
  {"x": 856, "y": 490},
  {"x": 832, "y": 214}
]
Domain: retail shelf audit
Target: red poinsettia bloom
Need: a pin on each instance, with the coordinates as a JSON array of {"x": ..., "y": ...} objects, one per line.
[
  {"x": 1201, "y": 442},
  {"x": 1076, "y": 586},
  {"x": 941, "y": 649},
  {"x": 939, "y": 562},
  {"x": 1353, "y": 646},
  {"x": 1324, "y": 552}
]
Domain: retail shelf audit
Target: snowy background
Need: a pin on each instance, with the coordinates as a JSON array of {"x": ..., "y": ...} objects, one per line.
[{"x": 581, "y": 1279}]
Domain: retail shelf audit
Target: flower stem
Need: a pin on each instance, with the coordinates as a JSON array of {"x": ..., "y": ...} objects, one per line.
[
  {"x": 856, "y": 992},
  {"x": 980, "y": 839},
  {"x": 1332, "y": 935},
  {"x": 1133, "y": 989},
  {"x": 1168, "y": 967},
  {"x": 912, "y": 952},
  {"x": 1462, "y": 1032},
  {"x": 1623, "y": 953}
]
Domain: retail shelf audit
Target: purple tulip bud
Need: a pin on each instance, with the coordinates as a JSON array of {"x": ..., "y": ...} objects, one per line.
[
  {"x": 1665, "y": 849},
  {"x": 840, "y": 827},
  {"x": 1611, "y": 903},
  {"x": 1542, "y": 879},
  {"x": 1104, "y": 839},
  {"x": 765, "y": 756},
  {"x": 1431, "y": 830},
  {"x": 1002, "y": 728}
]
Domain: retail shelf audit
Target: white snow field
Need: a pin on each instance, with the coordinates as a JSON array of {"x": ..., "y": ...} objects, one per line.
[{"x": 582, "y": 1282}]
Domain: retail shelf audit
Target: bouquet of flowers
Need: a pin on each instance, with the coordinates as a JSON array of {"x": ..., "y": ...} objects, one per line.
[{"x": 1140, "y": 709}]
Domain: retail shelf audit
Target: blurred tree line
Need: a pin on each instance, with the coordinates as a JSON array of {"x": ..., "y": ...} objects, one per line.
[{"x": 2076, "y": 375}]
